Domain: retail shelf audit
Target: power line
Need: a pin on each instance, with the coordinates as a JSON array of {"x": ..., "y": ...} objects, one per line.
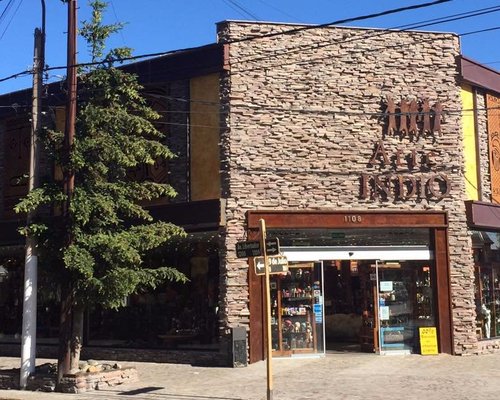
[
  {"x": 317, "y": 45},
  {"x": 324, "y": 112},
  {"x": 273, "y": 34},
  {"x": 481, "y": 31},
  {"x": 11, "y": 18},
  {"x": 338, "y": 22},
  {"x": 8, "y": 6},
  {"x": 117, "y": 21},
  {"x": 369, "y": 35},
  {"x": 240, "y": 9},
  {"x": 270, "y": 5}
]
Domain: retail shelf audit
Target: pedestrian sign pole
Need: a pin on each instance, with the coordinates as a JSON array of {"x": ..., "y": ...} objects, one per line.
[
  {"x": 269, "y": 350},
  {"x": 267, "y": 260}
]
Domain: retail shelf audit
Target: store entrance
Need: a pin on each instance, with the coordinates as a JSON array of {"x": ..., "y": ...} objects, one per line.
[
  {"x": 349, "y": 305},
  {"x": 374, "y": 306}
]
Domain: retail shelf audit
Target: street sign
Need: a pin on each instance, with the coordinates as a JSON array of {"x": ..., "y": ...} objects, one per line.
[
  {"x": 272, "y": 247},
  {"x": 251, "y": 248},
  {"x": 277, "y": 265}
]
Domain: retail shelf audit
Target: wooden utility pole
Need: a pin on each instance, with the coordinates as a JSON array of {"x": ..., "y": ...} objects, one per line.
[
  {"x": 65, "y": 333},
  {"x": 28, "y": 341}
]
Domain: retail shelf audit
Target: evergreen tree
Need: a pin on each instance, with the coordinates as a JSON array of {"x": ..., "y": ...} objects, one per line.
[{"x": 98, "y": 252}]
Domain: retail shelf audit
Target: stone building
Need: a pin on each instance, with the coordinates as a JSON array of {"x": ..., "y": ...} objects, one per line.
[{"x": 371, "y": 157}]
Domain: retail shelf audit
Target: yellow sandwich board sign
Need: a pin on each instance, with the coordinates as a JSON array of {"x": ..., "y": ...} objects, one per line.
[{"x": 428, "y": 340}]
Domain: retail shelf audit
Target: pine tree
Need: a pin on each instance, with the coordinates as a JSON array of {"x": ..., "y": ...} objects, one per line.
[{"x": 109, "y": 232}]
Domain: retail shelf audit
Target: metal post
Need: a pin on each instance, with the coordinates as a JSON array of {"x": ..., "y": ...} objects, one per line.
[
  {"x": 269, "y": 347},
  {"x": 28, "y": 341}
]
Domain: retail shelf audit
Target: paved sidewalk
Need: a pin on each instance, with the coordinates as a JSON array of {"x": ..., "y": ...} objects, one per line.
[{"x": 337, "y": 376}]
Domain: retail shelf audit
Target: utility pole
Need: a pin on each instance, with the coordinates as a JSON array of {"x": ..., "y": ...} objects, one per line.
[
  {"x": 28, "y": 343},
  {"x": 65, "y": 333}
]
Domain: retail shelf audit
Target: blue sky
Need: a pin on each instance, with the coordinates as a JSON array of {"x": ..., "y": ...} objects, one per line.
[{"x": 161, "y": 25}]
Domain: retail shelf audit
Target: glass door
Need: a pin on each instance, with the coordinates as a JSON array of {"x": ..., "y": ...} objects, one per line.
[{"x": 405, "y": 303}]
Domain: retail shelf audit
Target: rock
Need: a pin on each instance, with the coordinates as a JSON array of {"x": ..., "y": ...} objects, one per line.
[
  {"x": 86, "y": 368},
  {"x": 94, "y": 368},
  {"x": 117, "y": 366},
  {"x": 51, "y": 387},
  {"x": 92, "y": 362},
  {"x": 106, "y": 367}
]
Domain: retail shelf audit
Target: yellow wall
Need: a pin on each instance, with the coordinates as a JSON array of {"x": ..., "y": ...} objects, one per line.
[
  {"x": 470, "y": 144},
  {"x": 204, "y": 138}
]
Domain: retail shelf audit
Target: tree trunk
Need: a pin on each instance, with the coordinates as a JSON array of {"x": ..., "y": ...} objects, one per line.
[
  {"x": 77, "y": 336},
  {"x": 65, "y": 332}
]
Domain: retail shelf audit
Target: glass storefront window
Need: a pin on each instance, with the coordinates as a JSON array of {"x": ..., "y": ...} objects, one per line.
[
  {"x": 297, "y": 310},
  {"x": 336, "y": 305},
  {"x": 174, "y": 315},
  {"x": 406, "y": 303},
  {"x": 487, "y": 283}
]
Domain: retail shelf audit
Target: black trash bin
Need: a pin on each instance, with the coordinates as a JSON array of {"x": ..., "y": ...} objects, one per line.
[{"x": 239, "y": 347}]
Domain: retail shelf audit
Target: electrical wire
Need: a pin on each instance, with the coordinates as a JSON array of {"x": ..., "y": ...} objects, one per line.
[
  {"x": 314, "y": 46},
  {"x": 303, "y": 110},
  {"x": 240, "y": 9},
  {"x": 11, "y": 18},
  {"x": 481, "y": 31},
  {"x": 378, "y": 33},
  {"x": 117, "y": 21},
  {"x": 273, "y": 34},
  {"x": 338, "y": 22},
  {"x": 270, "y": 5},
  {"x": 8, "y": 6}
]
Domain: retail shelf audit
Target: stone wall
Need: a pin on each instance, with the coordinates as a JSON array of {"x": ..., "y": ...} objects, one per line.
[
  {"x": 84, "y": 382},
  {"x": 305, "y": 117},
  {"x": 195, "y": 357},
  {"x": 71, "y": 383}
]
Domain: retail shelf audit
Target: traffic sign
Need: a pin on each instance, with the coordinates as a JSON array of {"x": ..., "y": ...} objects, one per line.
[
  {"x": 277, "y": 265},
  {"x": 251, "y": 248}
]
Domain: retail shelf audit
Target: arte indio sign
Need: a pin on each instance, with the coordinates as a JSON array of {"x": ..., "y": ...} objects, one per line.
[{"x": 413, "y": 119}]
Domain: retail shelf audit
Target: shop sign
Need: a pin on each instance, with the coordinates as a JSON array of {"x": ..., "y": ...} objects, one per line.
[
  {"x": 277, "y": 265},
  {"x": 413, "y": 117},
  {"x": 251, "y": 248},
  {"x": 428, "y": 340},
  {"x": 418, "y": 183}
]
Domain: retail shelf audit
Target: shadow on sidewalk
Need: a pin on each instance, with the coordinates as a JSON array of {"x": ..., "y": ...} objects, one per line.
[{"x": 150, "y": 389}]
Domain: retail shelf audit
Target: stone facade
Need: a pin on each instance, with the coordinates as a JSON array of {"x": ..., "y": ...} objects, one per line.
[{"x": 305, "y": 115}]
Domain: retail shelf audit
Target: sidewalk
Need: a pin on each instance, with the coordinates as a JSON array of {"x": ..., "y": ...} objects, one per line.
[{"x": 350, "y": 376}]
